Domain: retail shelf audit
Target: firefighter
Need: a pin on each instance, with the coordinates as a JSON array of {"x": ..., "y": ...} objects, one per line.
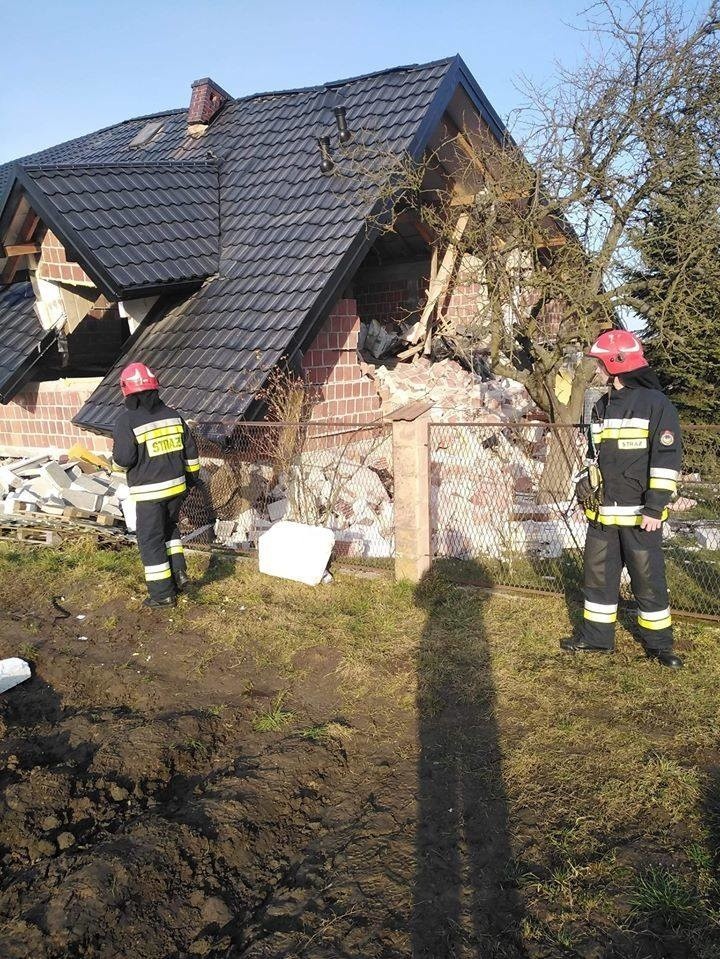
[
  {"x": 155, "y": 446},
  {"x": 635, "y": 441}
]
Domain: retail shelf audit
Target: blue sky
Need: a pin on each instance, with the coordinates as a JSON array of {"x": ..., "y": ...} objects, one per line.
[{"x": 78, "y": 65}]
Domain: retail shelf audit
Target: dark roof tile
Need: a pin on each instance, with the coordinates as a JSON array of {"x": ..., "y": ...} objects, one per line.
[{"x": 23, "y": 338}]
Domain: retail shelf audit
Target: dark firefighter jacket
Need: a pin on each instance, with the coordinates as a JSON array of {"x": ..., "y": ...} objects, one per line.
[
  {"x": 158, "y": 451},
  {"x": 636, "y": 434}
]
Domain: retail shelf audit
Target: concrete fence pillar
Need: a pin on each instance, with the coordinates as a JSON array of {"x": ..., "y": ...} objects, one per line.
[{"x": 410, "y": 432}]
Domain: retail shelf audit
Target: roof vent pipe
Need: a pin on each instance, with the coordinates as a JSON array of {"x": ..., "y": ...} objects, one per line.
[
  {"x": 345, "y": 134},
  {"x": 326, "y": 161}
]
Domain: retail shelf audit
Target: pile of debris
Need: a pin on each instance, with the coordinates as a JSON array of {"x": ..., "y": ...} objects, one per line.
[
  {"x": 78, "y": 485},
  {"x": 457, "y": 394},
  {"x": 347, "y": 488}
]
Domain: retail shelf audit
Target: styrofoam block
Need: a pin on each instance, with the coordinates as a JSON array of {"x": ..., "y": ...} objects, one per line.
[
  {"x": 295, "y": 551},
  {"x": 129, "y": 512},
  {"x": 9, "y": 504},
  {"x": 12, "y": 672},
  {"x": 26, "y": 495}
]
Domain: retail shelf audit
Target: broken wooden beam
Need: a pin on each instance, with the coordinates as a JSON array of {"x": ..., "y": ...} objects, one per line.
[
  {"x": 21, "y": 249},
  {"x": 441, "y": 281}
]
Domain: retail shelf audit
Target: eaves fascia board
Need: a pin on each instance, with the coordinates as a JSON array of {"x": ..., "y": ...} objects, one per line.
[{"x": 69, "y": 238}]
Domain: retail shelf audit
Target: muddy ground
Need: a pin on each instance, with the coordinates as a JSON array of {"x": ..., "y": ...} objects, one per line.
[{"x": 153, "y": 808}]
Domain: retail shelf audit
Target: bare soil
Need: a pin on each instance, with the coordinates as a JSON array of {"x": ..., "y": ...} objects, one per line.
[{"x": 148, "y": 811}]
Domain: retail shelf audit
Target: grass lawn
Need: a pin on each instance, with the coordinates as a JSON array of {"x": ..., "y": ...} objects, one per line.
[{"x": 464, "y": 789}]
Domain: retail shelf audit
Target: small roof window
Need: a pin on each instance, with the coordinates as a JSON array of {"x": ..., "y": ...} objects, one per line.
[{"x": 148, "y": 133}]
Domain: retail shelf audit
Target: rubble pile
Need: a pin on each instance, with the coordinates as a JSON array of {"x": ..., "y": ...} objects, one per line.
[
  {"x": 457, "y": 394},
  {"x": 481, "y": 483},
  {"x": 347, "y": 488},
  {"x": 78, "y": 485}
]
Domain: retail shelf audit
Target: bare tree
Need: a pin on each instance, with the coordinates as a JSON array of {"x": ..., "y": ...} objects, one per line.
[{"x": 545, "y": 224}]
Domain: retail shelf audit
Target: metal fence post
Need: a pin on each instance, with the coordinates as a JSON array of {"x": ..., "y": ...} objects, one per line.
[{"x": 410, "y": 427}]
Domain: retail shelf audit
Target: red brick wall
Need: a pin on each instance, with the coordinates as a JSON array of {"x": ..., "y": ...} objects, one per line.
[
  {"x": 39, "y": 417},
  {"x": 388, "y": 301},
  {"x": 55, "y": 265},
  {"x": 331, "y": 363}
]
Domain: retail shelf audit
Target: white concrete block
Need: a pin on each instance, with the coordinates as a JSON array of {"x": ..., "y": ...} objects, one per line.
[
  {"x": 708, "y": 537},
  {"x": 90, "y": 484},
  {"x": 277, "y": 509},
  {"x": 53, "y": 505},
  {"x": 82, "y": 500},
  {"x": 42, "y": 487},
  {"x": 224, "y": 529},
  {"x": 56, "y": 475},
  {"x": 26, "y": 495},
  {"x": 8, "y": 479},
  {"x": 296, "y": 551}
]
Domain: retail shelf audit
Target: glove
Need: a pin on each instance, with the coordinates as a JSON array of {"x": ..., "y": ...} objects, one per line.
[{"x": 589, "y": 487}]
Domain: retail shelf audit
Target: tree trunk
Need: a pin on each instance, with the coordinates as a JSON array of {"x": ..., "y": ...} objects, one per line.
[{"x": 563, "y": 460}]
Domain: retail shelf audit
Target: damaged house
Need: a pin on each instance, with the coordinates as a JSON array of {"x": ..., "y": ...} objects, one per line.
[{"x": 217, "y": 241}]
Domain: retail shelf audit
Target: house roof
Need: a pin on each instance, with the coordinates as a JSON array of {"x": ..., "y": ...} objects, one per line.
[
  {"x": 23, "y": 338},
  {"x": 290, "y": 237},
  {"x": 134, "y": 227}
]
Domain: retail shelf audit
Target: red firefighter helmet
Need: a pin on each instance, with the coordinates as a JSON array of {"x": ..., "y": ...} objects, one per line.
[
  {"x": 136, "y": 378},
  {"x": 619, "y": 351}
]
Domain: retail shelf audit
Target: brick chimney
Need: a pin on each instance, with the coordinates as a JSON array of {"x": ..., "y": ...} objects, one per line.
[{"x": 206, "y": 101}]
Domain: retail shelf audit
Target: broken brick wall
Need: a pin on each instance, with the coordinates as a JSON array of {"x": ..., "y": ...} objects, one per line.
[
  {"x": 331, "y": 364},
  {"x": 39, "y": 417},
  {"x": 56, "y": 265}
]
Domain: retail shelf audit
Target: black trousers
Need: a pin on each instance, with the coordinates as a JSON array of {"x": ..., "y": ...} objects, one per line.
[
  {"x": 159, "y": 543},
  {"x": 607, "y": 550}
]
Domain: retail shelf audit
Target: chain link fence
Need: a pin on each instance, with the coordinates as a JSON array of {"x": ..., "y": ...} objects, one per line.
[
  {"x": 331, "y": 474},
  {"x": 503, "y": 511}
]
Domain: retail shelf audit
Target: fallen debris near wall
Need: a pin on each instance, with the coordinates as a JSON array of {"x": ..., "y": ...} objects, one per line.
[{"x": 457, "y": 395}]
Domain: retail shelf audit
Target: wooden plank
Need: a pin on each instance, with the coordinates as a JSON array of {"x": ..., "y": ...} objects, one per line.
[
  {"x": 21, "y": 249},
  {"x": 549, "y": 242},
  {"x": 424, "y": 232},
  {"x": 440, "y": 283},
  {"x": 411, "y": 351},
  {"x": 427, "y": 345},
  {"x": 34, "y": 536}
]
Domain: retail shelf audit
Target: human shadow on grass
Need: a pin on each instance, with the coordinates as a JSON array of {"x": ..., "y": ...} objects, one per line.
[{"x": 465, "y": 902}]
